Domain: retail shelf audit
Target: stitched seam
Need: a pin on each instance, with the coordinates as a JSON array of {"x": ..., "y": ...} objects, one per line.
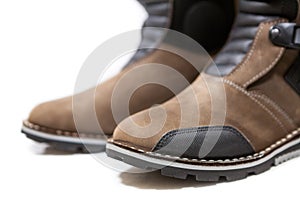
[
  {"x": 253, "y": 48},
  {"x": 250, "y": 52},
  {"x": 265, "y": 71},
  {"x": 275, "y": 105},
  {"x": 60, "y": 132},
  {"x": 255, "y": 156},
  {"x": 239, "y": 88},
  {"x": 164, "y": 140}
]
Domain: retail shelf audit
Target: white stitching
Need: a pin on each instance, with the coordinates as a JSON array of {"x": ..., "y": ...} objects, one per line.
[
  {"x": 250, "y": 52},
  {"x": 265, "y": 71},
  {"x": 249, "y": 55},
  {"x": 274, "y": 105},
  {"x": 234, "y": 160},
  {"x": 61, "y": 132},
  {"x": 130, "y": 147},
  {"x": 239, "y": 88}
]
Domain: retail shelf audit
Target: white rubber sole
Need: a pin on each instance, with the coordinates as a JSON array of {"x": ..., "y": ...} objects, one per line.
[
  {"x": 163, "y": 162},
  {"x": 47, "y": 136},
  {"x": 65, "y": 143},
  {"x": 212, "y": 171}
]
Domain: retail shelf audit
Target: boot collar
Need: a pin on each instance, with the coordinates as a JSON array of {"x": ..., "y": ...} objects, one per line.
[{"x": 255, "y": 15}]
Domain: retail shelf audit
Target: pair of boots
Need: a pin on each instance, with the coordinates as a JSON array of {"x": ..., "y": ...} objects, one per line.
[{"x": 247, "y": 112}]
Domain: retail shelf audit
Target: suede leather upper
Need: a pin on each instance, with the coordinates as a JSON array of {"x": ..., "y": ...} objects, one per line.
[
  {"x": 259, "y": 104},
  {"x": 58, "y": 115}
]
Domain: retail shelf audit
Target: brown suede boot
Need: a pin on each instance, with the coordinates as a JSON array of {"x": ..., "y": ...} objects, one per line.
[
  {"x": 253, "y": 125},
  {"x": 53, "y": 122}
]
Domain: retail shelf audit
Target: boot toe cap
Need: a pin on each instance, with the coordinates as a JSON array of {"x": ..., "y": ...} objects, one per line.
[{"x": 209, "y": 143}]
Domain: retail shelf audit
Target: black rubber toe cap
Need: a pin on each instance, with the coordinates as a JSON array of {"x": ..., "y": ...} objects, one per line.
[{"x": 220, "y": 142}]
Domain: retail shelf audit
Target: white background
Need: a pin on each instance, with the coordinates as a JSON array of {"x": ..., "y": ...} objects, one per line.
[{"x": 42, "y": 47}]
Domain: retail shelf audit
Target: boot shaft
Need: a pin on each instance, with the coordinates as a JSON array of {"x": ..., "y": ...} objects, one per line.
[
  {"x": 262, "y": 56},
  {"x": 207, "y": 22}
]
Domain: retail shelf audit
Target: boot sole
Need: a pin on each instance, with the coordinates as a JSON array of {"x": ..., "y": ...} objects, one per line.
[
  {"x": 207, "y": 172},
  {"x": 64, "y": 143}
]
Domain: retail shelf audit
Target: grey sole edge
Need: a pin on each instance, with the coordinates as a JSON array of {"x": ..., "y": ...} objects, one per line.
[
  {"x": 205, "y": 173},
  {"x": 64, "y": 143}
]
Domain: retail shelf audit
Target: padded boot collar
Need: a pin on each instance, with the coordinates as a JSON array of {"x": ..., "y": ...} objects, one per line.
[
  {"x": 189, "y": 17},
  {"x": 260, "y": 59},
  {"x": 247, "y": 26},
  {"x": 261, "y": 111},
  {"x": 283, "y": 8},
  {"x": 159, "y": 15}
]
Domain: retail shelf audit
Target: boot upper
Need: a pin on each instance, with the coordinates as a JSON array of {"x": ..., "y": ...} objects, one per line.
[
  {"x": 61, "y": 114},
  {"x": 245, "y": 104},
  {"x": 63, "y": 117}
]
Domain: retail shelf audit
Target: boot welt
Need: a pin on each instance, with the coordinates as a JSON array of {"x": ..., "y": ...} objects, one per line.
[
  {"x": 66, "y": 143},
  {"x": 209, "y": 170}
]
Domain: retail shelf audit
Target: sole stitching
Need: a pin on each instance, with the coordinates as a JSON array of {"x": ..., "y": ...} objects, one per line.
[
  {"x": 255, "y": 156},
  {"x": 60, "y": 132}
]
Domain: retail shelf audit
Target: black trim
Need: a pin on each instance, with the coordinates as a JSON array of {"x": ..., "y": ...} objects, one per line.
[
  {"x": 200, "y": 175},
  {"x": 293, "y": 76},
  {"x": 207, "y": 22},
  {"x": 239, "y": 43},
  {"x": 286, "y": 35},
  {"x": 219, "y": 142}
]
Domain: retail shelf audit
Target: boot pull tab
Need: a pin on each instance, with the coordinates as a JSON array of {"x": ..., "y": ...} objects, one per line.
[{"x": 286, "y": 35}]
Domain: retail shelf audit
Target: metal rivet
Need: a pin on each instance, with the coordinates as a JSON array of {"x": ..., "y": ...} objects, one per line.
[{"x": 274, "y": 33}]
